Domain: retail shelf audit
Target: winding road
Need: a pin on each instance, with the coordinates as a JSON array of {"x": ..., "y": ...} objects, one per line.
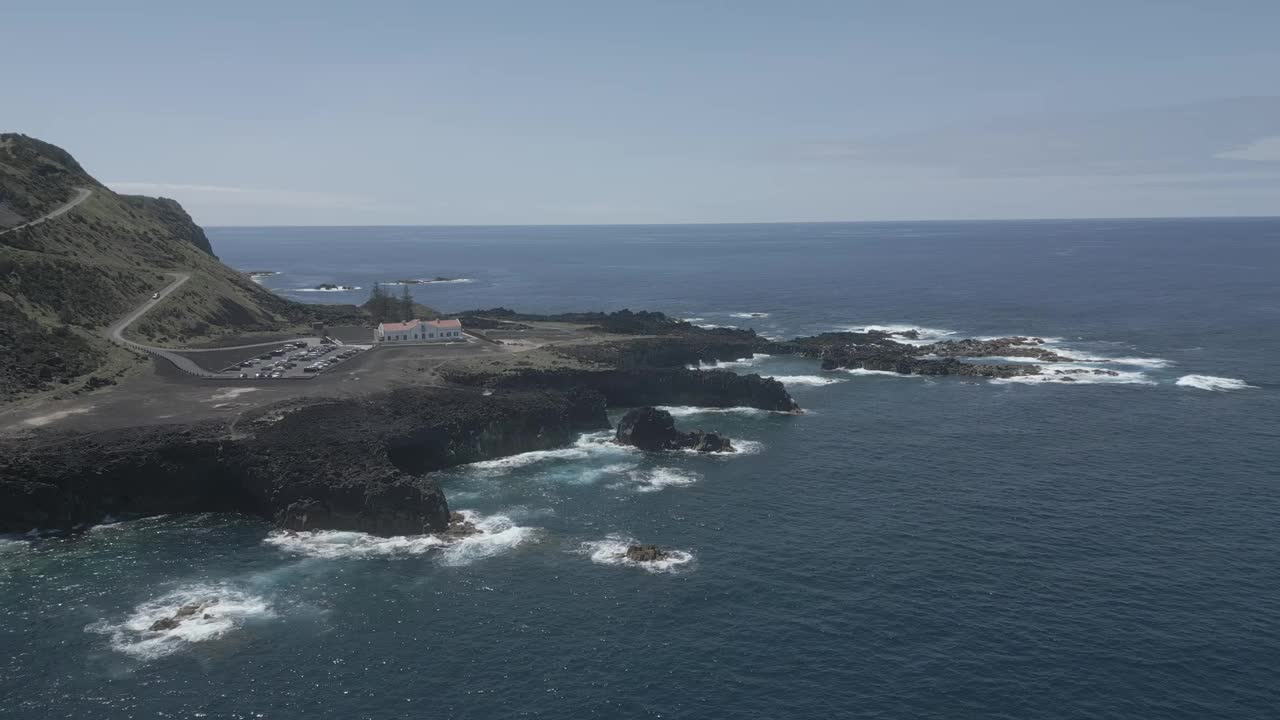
[
  {"x": 116, "y": 332},
  {"x": 82, "y": 194}
]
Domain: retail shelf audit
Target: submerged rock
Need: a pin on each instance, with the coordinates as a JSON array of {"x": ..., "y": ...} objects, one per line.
[
  {"x": 652, "y": 429},
  {"x": 460, "y": 526}
]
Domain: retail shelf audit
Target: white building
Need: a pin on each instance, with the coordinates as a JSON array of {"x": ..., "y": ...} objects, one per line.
[{"x": 419, "y": 331}]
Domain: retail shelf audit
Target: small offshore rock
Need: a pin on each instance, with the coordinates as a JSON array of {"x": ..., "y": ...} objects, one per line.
[{"x": 646, "y": 553}]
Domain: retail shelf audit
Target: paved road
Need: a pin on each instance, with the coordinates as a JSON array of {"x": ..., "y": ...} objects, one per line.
[
  {"x": 82, "y": 194},
  {"x": 116, "y": 331}
]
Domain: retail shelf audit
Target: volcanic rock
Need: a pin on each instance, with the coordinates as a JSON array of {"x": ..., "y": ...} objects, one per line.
[
  {"x": 646, "y": 553},
  {"x": 652, "y": 429}
]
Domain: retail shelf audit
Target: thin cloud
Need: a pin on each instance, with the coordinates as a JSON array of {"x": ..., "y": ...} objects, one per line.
[
  {"x": 1265, "y": 149},
  {"x": 222, "y": 195}
]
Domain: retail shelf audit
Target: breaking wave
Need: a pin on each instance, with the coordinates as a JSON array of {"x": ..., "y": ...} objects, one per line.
[
  {"x": 224, "y": 609},
  {"x": 332, "y": 544},
  {"x": 1211, "y": 383},
  {"x": 588, "y": 445},
  {"x": 1078, "y": 378},
  {"x": 927, "y": 335},
  {"x": 498, "y": 534},
  {"x": 689, "y": 410},
  {"x": 809, "y": 380},
  {"x": 613, "y": 551},
  {"x": 344, "y": 288},
  {"x": 661, "y": 478},
  {"x": 730, "y": 364},
  {"x": 750, "y": 315},
  {"x": 884, "y": 373},
  {"x": 709, "y": 326}
]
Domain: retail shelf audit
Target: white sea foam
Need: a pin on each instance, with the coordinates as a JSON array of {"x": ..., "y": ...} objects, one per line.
[
  {"x": 810, "y": 380},
  {"x": 928, "y": 335},
  {"x": 740, "y": 448},
  {"x": 224, "y": 609},
  {"x": 657, "y": 479},
  {"x": 588, "y": 445},
  {"x": 344, "y": 288},
  {"x": 13, "y": 545},
  {"x": 750, "y": 315},
  {"x": 1089, "y": 378},
  {"x": 613, "y": 551},
  {"x": 709, "y": 326},
  {"x": 429, "y": 282},
  {"x": 730, "y": 364},
  {"x": 498, "y": 534},
  {"x": 694, "y": 319},
  {"x": 688, "y": 410},
  {"x": 1212, "y": 383},
  {"x": 882, "y": 373},
  {"x": 1153, "y": 363},
  {"x": 331, "y": 544}
]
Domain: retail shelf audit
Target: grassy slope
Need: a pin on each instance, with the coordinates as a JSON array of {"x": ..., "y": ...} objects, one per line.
[{"x": 63, "y": 281}]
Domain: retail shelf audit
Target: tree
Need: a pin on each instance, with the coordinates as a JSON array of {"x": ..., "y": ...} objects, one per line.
[{"x": 406, "y": 304}]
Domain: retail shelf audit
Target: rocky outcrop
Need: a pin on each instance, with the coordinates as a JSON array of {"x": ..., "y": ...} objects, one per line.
[
  {"x": 646, "y": 553},
  {"x": 882, "y": 352},
  {"x": 642, "y": 386},
  {"x": 654, "y": 430},
  {"x": 350, "y": 464}
]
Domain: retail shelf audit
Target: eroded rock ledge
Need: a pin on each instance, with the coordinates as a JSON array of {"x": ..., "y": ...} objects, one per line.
[{"x": 351, "y": 464}]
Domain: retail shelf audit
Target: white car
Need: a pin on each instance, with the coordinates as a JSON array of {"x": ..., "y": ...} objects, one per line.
[{"x": 155, "y": 296}]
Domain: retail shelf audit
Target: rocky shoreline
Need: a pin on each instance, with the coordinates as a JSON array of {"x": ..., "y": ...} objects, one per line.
[{"x": 365, "y": 463}]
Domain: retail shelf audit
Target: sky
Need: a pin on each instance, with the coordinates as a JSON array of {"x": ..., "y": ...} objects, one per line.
[{"x": 398, "y": 113}]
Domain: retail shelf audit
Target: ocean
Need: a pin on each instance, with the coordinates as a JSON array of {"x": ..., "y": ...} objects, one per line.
[{"x": 908, "y": 548}]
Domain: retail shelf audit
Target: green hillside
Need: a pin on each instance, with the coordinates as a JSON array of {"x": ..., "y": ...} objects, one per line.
[{"x": 63, "y": 280}]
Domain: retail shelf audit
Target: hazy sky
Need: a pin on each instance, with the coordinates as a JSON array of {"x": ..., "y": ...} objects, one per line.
[{"x": 615, "y": 112}]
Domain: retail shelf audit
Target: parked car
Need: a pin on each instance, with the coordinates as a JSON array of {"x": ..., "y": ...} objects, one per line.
[{"x": 155, "y": 296}]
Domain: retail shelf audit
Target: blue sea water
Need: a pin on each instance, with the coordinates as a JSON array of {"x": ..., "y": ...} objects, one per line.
[{"x": 909, "y": 548}]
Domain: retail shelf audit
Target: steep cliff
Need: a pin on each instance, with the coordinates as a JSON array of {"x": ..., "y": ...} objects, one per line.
[
  {"x": 354, "y": 464},
  {"x": 64, "y": 279}
]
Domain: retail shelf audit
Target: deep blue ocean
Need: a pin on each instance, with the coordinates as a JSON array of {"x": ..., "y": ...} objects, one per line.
[{"x": 909, "y": 548}]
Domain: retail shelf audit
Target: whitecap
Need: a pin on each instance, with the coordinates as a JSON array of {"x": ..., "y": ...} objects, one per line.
[
  {"x": 1089, "y": 378},
  {"x": 13, "y": 545},
  {"x": 688, "y": 410},
  {"x": 224, "y": 610},
  {"x": 750, "y": 315},
  {"x": 694, "y": 319},
  {"x": 332, "y": 544},
  {"x": 809, "y": 380},
  {"x": 1212, "y": 383},
  {"x": 730, "y": 364},
  {"x": 740, "y": 448},
  {"x": 927, "y": 335},
  {"x": 657, "y": 479},
  {"x": 1153, "y": 363},
  {"x": 587, "y": 445},
  {"x": 709, "y": 326},
  {"x": 498, "y": 534},
  {"x": 613, "y": 551},
  {"x": 345, "y": 288},
  {"x": 883, "y": 373}
]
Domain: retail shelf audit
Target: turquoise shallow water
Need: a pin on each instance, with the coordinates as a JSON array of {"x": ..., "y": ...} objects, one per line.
[{"x": 908, "y": 548}]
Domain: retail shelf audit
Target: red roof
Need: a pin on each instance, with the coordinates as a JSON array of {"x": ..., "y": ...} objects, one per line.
[{"x": 445, "y": 323}]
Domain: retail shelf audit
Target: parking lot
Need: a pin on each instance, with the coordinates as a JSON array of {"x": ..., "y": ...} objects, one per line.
[{"x": 296, "y": 360}]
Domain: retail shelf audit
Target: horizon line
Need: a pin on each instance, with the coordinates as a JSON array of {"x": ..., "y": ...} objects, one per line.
[{"x": 767, "y": 222}]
